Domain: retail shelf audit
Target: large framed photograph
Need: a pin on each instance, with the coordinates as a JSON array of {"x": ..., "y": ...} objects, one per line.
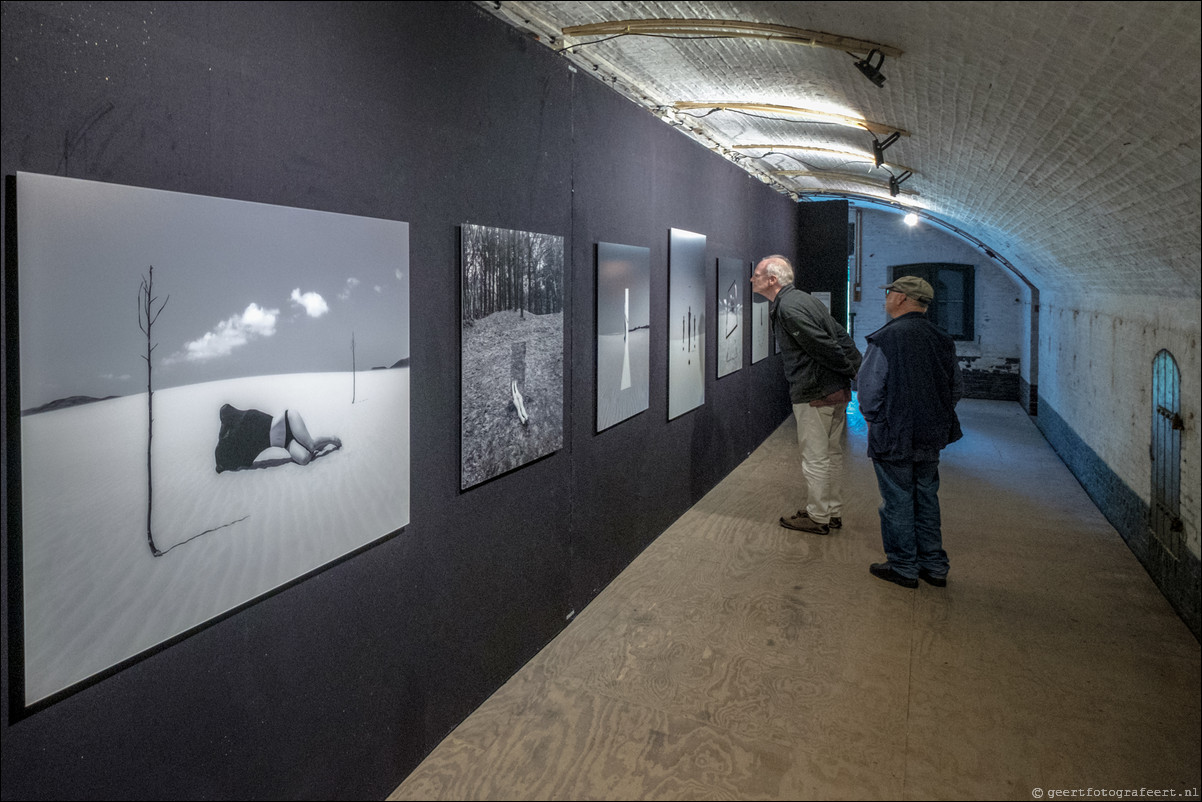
[
  {"x": 733, "y": 286},
  {"x": 243, "y": 424},
  {"x": 511, "y": 319},
  {"x": 686, "y": 322},
  {"x": 623, "y": 332}
]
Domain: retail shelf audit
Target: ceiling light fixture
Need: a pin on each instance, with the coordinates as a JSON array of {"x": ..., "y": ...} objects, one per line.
[
  {"x": 872, "y": 71},
  {"x": 879, "y": 148},
  {"x": 895, "y": 182}
]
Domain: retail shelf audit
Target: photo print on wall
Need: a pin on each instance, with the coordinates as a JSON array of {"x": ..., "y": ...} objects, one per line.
[
  {"x": 511, "y": 322},
  {"x": 760, "y": 327},
  {"x": 733, "y": 287},
  {"x": 246, "y": 424},
  {"x": 686, "y": 322},
  {"x": 623, "y": 332}
]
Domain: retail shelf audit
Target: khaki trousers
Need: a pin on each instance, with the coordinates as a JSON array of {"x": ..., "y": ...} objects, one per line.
[{"x": 822, "y": 439}]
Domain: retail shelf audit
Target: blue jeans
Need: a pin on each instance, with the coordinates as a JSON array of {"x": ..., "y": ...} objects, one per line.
[{"x": 910, "y": 526}]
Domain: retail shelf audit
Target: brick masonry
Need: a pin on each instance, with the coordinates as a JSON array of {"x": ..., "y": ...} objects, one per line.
[
  {"x": 1176, "y": 576},
  {"x": 991, "y": 362}
]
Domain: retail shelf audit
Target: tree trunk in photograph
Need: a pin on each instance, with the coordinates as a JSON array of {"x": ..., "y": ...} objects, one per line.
[{"x": 147, "y": 315}]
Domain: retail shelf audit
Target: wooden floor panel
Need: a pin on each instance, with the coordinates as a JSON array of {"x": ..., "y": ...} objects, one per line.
[{"x": 736, "y": 659}]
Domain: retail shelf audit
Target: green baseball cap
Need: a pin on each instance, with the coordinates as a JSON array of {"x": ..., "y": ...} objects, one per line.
[{"x": 912, "y": 287}]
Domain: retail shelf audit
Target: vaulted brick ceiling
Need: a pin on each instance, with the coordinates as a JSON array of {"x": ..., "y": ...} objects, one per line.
[{"x": 1063, "y": 136}]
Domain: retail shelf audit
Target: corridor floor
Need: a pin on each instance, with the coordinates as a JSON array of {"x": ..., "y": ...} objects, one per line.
[{"x": 735, "y": 659}]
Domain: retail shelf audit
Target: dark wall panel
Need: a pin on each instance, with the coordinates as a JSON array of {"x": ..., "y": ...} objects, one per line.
[
  {"x": 631, "y": 481},
  {"x": 822, "y": 261},
  {"x": 436, "y": 114}
]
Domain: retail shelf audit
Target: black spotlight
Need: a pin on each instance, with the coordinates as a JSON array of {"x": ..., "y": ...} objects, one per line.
[
  {"x": 896, "y": 181},
  {"x": 872, "y": 71},
  {"x": 879, "y": 148}
]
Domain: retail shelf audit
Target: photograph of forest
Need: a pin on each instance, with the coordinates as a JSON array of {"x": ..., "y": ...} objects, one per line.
[
  {"x": 686, "y": 322},
  {"x": 733, "y": 286},
  {"x": 511, "y": 346},
  {"x": 623, "y": 332}
]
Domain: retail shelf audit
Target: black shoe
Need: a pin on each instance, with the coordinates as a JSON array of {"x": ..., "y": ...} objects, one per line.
[
  {"x": 804, "y": 523},
  {"x": 932, "y": 579},
  {"x": 836, "y": 523},
  {"x": 885, "y": 571}
]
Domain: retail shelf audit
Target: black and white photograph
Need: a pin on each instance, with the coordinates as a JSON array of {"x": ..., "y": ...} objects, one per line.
[
  {"x": 760, "y": 334},
  {"x": 623, "y": 332},
  {"x": 511, "y": 320},
  {"x": 686, "y": 322},
  {"x": 732, "y": 288},
  {"x": 214, "y": 403}
]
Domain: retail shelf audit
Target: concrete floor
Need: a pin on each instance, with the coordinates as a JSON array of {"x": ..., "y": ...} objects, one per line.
[{"x": 735, "y": 659}]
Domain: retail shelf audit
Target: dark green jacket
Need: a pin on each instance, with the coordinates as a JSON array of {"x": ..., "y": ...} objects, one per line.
[{"x": 819, "y": 356}]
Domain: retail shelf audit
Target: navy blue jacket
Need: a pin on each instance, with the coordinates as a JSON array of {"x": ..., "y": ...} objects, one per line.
[{"x": 908, "y": 388}]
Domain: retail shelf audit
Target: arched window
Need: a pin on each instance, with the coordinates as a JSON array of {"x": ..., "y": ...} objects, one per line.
[{"x": 1166, "y": 452}]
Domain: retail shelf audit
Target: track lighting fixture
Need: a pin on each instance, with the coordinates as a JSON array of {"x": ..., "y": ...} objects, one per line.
[
  {"x": 872, "y": 71},
  {"x": 895, "y": 182},
  {"x": 879, "y": 148}
]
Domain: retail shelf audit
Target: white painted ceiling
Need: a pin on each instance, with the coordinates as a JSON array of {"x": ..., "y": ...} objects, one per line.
[{"x": 1064, "y": 136}]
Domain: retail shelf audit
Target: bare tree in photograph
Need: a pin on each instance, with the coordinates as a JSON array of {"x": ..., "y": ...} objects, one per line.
[
  {"x": 147, "y": 315},
  {"x": 149, "y": 310}
]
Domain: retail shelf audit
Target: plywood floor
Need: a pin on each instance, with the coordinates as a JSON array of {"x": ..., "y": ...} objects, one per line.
[{"x": 735, "y": 659}]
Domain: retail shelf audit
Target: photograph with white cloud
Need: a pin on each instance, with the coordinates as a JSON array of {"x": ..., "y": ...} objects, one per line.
[
  {"x": 254, "y": 306},
  {"x": 279, "y": 290}
]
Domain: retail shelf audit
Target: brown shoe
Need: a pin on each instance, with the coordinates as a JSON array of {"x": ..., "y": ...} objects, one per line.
[{"x": 802, "y": 522}]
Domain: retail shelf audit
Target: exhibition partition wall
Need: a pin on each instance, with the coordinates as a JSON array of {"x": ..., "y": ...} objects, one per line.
[{"x": 333, "y": 678}]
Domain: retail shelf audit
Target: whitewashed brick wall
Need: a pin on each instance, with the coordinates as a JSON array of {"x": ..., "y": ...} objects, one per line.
[
  {"x": 1095, "y": 370},
  {"x": 1001, "y": 300}
]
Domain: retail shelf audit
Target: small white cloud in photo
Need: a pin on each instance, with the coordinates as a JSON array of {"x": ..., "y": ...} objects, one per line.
[
  {"x": 229, "y": 334},
  {"x": 351, "y": 283},
  {"x": 379, "y": 290},
  {"x": 313, "y": 304}
]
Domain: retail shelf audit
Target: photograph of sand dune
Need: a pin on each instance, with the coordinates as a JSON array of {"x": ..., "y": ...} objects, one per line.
[{"x": 214, "y": 403}]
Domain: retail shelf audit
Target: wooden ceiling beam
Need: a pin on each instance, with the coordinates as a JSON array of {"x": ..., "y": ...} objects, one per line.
[{"x": 731, "y": 29}]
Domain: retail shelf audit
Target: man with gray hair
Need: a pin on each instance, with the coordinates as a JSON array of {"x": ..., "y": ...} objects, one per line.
[
  {"x": 909, "y": 385},
  {"x": 820, "y": 360}
]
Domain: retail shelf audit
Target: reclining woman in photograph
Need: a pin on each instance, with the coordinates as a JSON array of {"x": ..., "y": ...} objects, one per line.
[{"x": 246, "y": 433}]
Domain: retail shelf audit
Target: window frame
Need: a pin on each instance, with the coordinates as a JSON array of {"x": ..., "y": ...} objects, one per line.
[{"x": 940, "y": 310}]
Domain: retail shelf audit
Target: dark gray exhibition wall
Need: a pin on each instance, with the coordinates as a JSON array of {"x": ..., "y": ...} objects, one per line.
[
  {"x": 822, "y": 265},
  {"x": 435, "y": 114}
]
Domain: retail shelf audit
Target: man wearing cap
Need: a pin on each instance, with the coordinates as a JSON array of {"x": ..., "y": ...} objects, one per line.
[
  {"x": 908, "y": 387},
  {"x": 820, "y": 360}
]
